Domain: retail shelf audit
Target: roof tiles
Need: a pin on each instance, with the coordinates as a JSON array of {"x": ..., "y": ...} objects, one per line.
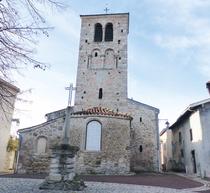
[{"x": 102, "y": 111}]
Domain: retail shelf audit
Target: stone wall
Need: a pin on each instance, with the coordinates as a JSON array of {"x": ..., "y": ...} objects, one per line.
[
  {"x": 145, "y": 137},
  {"x": 114, "y": 157},
  {"x": 205, "y": 135},
  {"x": 30, "y": 161},
  {"x": 166, "y": 149},
  {"x": 107, "y": 70}
]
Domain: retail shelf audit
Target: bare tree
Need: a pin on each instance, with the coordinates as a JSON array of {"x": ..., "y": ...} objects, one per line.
[{"x": 20, "y": 23}]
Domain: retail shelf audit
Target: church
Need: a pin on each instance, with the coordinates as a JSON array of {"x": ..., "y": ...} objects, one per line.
[{"x": 115, "y": 134}]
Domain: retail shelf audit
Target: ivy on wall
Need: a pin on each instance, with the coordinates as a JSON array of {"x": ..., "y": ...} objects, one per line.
[{"x": 13, "y": 144}]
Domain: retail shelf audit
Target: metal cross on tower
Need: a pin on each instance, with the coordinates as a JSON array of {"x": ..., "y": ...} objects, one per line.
[
  {"x": 106, "y": 9},
  {"x": 70, "y": 89}
]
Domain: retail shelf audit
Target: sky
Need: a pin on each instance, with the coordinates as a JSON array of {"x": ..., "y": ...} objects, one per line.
[{"x": 168, "y": 56}]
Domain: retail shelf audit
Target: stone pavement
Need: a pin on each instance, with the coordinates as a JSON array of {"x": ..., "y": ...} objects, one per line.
[
  {"x": 20, "y": 185},
  {"x": 147, "y": 183},
  {"x": 149, "y": 179}
]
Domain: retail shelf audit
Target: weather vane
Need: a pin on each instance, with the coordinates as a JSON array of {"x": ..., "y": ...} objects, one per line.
[{"x": 106, "y": 9}]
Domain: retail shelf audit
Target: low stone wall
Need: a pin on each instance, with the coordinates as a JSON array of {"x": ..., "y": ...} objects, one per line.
[{"x": 30, "y": 161}]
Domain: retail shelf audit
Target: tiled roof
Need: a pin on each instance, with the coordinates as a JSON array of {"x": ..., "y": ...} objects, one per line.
[
  {"x": 102, "y": 111},
  {"x": 191, "y": 108}
]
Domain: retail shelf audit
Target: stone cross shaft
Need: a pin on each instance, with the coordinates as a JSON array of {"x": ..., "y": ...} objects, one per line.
[
  {"x": 66, "y": 126},
  {"x": 68, "y": 112}
]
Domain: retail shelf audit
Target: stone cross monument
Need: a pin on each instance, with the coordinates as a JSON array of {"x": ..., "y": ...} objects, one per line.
[
  {"x": 71, "y": 89},
  {"x": 62, "y": 168}
]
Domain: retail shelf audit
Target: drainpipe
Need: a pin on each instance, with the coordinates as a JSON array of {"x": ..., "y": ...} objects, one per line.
[
  {"x": 158, "y": 140},
  {"x": 18, "y": 153}
]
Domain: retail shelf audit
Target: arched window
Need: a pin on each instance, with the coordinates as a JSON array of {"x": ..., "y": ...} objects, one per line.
[
  {"x": 109, "y": 32},
  {"x": 98, "y": 33},
  {"x": 93, "y": 136},
  {"x": 41, "y": 145}
]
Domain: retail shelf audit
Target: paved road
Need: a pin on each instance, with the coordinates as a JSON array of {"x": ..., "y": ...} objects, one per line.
[
  {"x": 168, "y": 181},
  {"x": 20, "y": 185},
  {"x": 154, "y": 183},
  {"x": 147, "y": 179}
]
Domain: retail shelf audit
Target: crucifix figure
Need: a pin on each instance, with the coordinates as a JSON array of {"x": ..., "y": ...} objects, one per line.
[
  {"x": 106, "y": 9},
  {"x": 70, "y": 89}
]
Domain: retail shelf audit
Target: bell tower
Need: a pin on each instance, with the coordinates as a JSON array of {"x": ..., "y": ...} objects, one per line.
[{"x": 102, "y": 64}]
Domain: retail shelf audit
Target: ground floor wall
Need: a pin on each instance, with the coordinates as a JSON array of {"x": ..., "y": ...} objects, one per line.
[
  {"x": 4, "y": 138},
  {"x": 125, "y": 145},
  {"x": 35, "y": 146},
  {"x": 144, "y": 137},
  {"x": 113, "y": 156}
]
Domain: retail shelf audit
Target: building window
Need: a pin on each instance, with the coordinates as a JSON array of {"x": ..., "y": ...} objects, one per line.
[
  {"x": 191, "y": 135},
  {"x": 98, "y": 33},
  {"x": 140, "y": 148},
  {"x": 109, "y": 32},
  {"x": 140, "y": 119},
  {"x": 182, "y": 153},
  {"x": 93, "y": 136},
  {"x": 100, "y": 94},
  {"x": 180, "y": 137},
  {"x": 41, "y": 145}
]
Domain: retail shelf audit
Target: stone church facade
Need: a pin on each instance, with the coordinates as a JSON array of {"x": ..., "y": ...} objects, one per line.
[{"x": 116, "y": 135}]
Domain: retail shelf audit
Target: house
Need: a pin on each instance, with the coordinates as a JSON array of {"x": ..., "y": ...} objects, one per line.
[
  {"x": 166, "y": 148},
  {"x": 8, "y": 93},
  {"x": 190, "y": 140}
]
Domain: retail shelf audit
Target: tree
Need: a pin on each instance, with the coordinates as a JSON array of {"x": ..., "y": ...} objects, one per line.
[{"x": 20, "y": 23}]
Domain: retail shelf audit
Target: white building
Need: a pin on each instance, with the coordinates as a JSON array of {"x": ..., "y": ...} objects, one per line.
[
  {"x": 8, "y": 94},
  {"x": 191, "y": 140},
  {"x": 166, "y": 149}
]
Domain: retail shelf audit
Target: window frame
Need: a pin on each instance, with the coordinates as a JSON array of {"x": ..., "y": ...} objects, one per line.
[
  {"x": 98, "y": 32},
  {"x": 100, "y": 93},
  {"x": 86, "y": 135},
  {"x": 109, "y": 35},
  {"x": 180, "y": 137},
  {"x": 37, "y": 142},
  {"x": 191, "y": 135}
]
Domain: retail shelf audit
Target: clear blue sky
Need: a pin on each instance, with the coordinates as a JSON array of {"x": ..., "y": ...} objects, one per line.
[{"x": 168, "y": 51}]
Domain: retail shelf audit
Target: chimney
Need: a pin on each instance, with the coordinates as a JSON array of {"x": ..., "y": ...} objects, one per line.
[{"x": 208, "y": 86}]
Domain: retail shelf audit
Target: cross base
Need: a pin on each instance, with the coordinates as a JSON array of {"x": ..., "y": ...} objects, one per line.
[{"x": 62, "y": 170}]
